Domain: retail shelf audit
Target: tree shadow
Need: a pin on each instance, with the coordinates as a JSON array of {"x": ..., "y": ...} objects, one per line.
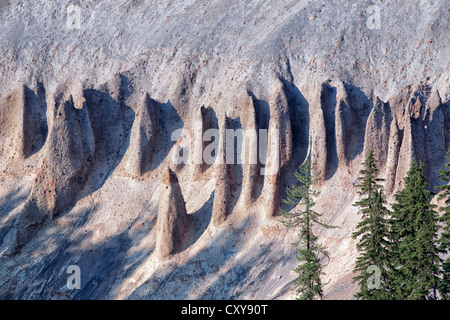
[
  {"x": 103, "y": 265},
  {"x": 257, "y": 274},
  {"x": 178, "y": 283},
  {"x": 44, "y": 275},
  {"x": 7, "y": 205}
]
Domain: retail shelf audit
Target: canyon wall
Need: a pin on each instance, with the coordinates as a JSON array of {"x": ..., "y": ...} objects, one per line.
[{"x": 152, "y": 145}]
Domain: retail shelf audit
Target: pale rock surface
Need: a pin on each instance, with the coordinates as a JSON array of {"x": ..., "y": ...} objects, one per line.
[{"x": 87, "y": 123}]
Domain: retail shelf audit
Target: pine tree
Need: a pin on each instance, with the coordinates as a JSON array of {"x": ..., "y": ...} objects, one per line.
[
  {"x": 444, "y": 285},
  {"x": 373, "y": 233},
  {"x": 444, "y": 175},
  {"x": 308, "y": 283},
  {"x": 415, "y": 226}
]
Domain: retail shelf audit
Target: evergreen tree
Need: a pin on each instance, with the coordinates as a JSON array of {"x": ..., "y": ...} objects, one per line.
[
  {"x": 444, "y": 175},
  {"x": 308, "y": 283},
  {"x": 415, "y": 226},
  {"x": 373, "y": 233},
  {"x": 444, "y": 285}
]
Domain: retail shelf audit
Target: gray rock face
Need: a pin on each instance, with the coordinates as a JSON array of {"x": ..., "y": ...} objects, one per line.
[{"x": 92, "y": 95}]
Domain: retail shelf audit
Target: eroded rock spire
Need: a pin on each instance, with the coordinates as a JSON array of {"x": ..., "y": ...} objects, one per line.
[{"x": 172, "y": 221}]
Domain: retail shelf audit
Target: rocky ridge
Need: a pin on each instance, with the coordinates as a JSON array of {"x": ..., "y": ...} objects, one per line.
[{"x": 87, "y": 137}]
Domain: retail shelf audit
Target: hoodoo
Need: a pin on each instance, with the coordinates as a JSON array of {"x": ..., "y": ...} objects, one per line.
[
  {"x": 172, "y": 216},
  {"x": 224, "y": 179},
  {"x": 144, "y": 137}
]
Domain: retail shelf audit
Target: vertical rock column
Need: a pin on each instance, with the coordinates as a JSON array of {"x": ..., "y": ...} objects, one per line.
[
  {"x": 23, "y": 123},
  {"x": 417, "y": 131},
  {"x": 435, "y": 130},
  {"x": 279, "y": 150},
  {"x": 64, "y": 172},
  {"x": 250, "y": 153},
  {"x": 378, "y": 129},
  {"x": 172, "y": 221},
  {"x": 223, "y": 178},
  {"x": 201, "y": 123},
  {"x": 143, "y": 137},
  {"x": 69, "y": 156},
  {"x": 343, "y": 124},
  {"x": 395, "y": 142},
  {"x": 400, "y": 152},
  {"x": 318, "y": 143}
]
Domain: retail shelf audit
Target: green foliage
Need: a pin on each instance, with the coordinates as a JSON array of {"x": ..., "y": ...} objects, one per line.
[
  {"x": 444, "y": 246},
  {"x": 374, "y": 246},
  {"x": 415, "y": 231},
  {"x": 403, "y": 244},
  {"x": 305, "y": 218},
  {"x": 444, "y": 285},
  {"x": 444, "y": 175}
]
